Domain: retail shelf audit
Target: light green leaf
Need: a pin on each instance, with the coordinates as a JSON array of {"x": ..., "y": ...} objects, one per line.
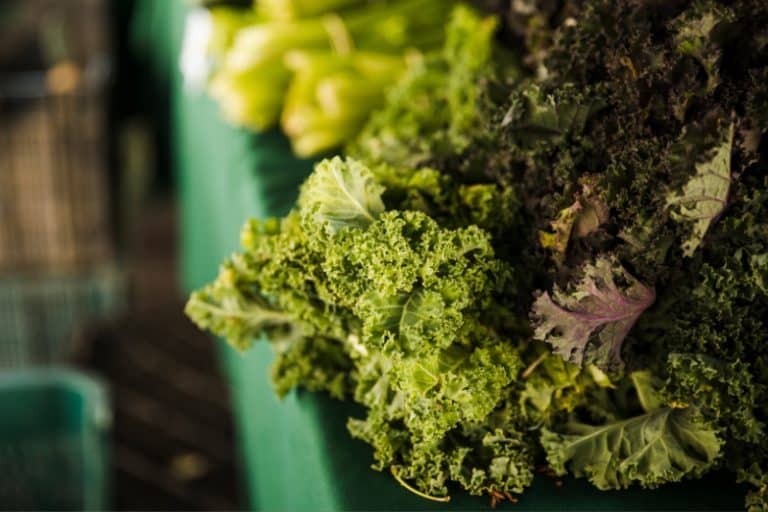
[
  {"x": 434, "y": 110},
  {"x": 339, "y": 194},
  {"x": 696, "y": 36},
  {"x": 647, "y": 385},
  {"x": 225, "y": 309},
  {"x": 552, "y": 386},
  {"x": 413, "y": 319},
  {"x": 705, "y": 196},
  {"x": 658, "y": 447}
]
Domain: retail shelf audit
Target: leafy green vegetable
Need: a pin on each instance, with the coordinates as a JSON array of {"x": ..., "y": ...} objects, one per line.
[
  {"x": 230, "y": 311},
  {"x": 660, "y": 446},
  {"x": 671, "y": 144},
  {"x": 319, "y": 67},
  {"x": 616, "y": 159},
  {"x": 331, "y": 95},
  {"x": 724, "y": 391},
  {"x": 341, "y": 194},
  {"x": 554, "y": 387},
  {"x": 391, "y": 306},
  {"x": 757, "y": 500},
  {"x": 432, "y": 112},
  {"x": 597, "y": 309},
  {"x": 696, "y": 36},
  {"x": 705, "y": 196}
]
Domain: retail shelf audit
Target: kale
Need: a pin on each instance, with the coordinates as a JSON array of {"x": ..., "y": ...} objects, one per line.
[
  {"x": 554, "y": 250},
  {"x": 651, "y": 113}
]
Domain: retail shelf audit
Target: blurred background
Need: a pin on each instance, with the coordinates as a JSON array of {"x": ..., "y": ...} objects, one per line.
[
  {"x": 109, "y": 397},
  {"x": 136, "y": 137}
]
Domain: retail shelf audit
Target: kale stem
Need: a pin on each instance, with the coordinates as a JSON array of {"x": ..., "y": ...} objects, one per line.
[
  {"x": 528, "y": 371},
  {"x": 442, "y": 499}
]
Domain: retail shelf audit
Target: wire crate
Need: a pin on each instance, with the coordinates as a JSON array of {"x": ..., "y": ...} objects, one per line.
[
  {"x": 40, "y": 315},
  {"x": 54, "y": 197},
  {"x": 54, "y": 186},
  {"x": 53, "y": 441}
]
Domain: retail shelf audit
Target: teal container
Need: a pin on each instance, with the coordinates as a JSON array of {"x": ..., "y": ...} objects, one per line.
[{"x": 54, "y": 427}]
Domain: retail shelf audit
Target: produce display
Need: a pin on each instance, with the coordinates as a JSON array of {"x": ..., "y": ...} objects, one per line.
[
  {"x": 319, "y": 68},
  {"x": 547, "y": 253}
]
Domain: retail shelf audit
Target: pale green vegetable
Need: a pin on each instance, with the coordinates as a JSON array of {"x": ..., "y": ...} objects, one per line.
[
  {"x": 705, "y": 196},
  {"x": 318, "y": 70},
  {"x": 340, "y": 194},
  {"x": 331, "y": 95},
  {"x": 292, "y": 9},
  {"x": 663, "y": 445}
]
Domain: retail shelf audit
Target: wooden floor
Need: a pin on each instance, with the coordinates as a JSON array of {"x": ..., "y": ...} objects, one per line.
[{"x": 173, "y": 437}]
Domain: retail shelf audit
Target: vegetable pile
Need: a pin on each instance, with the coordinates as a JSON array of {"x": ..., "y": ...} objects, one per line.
[
  {"x": 319, "y": 67},
  {"x": 552, "y": 252}
]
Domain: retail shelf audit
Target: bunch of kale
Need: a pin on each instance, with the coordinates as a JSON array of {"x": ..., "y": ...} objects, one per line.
[
  {"x": 640, "y": 143},
  {"x": 556, "y": 252}
]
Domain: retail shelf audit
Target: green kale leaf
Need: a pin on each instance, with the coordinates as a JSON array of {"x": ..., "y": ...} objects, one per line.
[
  {"x": 660, "y": 446},
  {"x": 663, "y": 444},
  {"x": 341, "y": 194},
  {"x": 705, "y": 196},
  {"x": 232, "y": 312}
]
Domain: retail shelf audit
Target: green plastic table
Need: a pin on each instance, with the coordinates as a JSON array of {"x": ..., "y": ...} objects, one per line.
[{"x": 297, "y": 453}]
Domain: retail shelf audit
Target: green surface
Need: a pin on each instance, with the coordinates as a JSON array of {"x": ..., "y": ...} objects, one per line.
[
  {"x": 297, "y": 453},
  {"x": 53, "y": 441}
]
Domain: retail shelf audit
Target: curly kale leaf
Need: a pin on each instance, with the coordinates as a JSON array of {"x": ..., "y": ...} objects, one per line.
[
  {"x": 493, "y": 460},
  {"x": 725, "y": 393},
  {"x": 436, "y": 419},
  {"x": 316, "y": 363},
  {"x": 705, "y": 196},
  {"x": 590, "y": 321},
  {"x": 234, "y": 312},
  {"x": 394, "y": 305},
  {"x": 719, "y": 310},
  {"x": 406, "y": 252},
  {"x": 427, "y": 363},
  {"x": 409, "y": 319},
  {"x": 757, "y": 499},
  {"x": 341, "y": 193},
  {"x": 455, "y": 386},
  {"x": 555, "y": 387},
  {"x": 535, "y": 115},
  {"x": 697, "y": 36}
]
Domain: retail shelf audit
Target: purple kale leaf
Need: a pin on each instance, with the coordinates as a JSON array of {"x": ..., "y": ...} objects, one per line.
[{"x": 589, "y": 321}]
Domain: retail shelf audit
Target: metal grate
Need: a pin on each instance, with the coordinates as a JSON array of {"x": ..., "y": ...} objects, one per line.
[
  {"x": 54, "y": 205},
  {"x": 39, "y": 315}
]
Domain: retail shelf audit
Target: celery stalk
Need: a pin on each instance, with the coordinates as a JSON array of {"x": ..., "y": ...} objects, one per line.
[
  {"x": 251, "y": 97},
  {"x": 320, "y": 76},
  {"x": 292, "y": 9},
  {"x": 227, "y": 22}
]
